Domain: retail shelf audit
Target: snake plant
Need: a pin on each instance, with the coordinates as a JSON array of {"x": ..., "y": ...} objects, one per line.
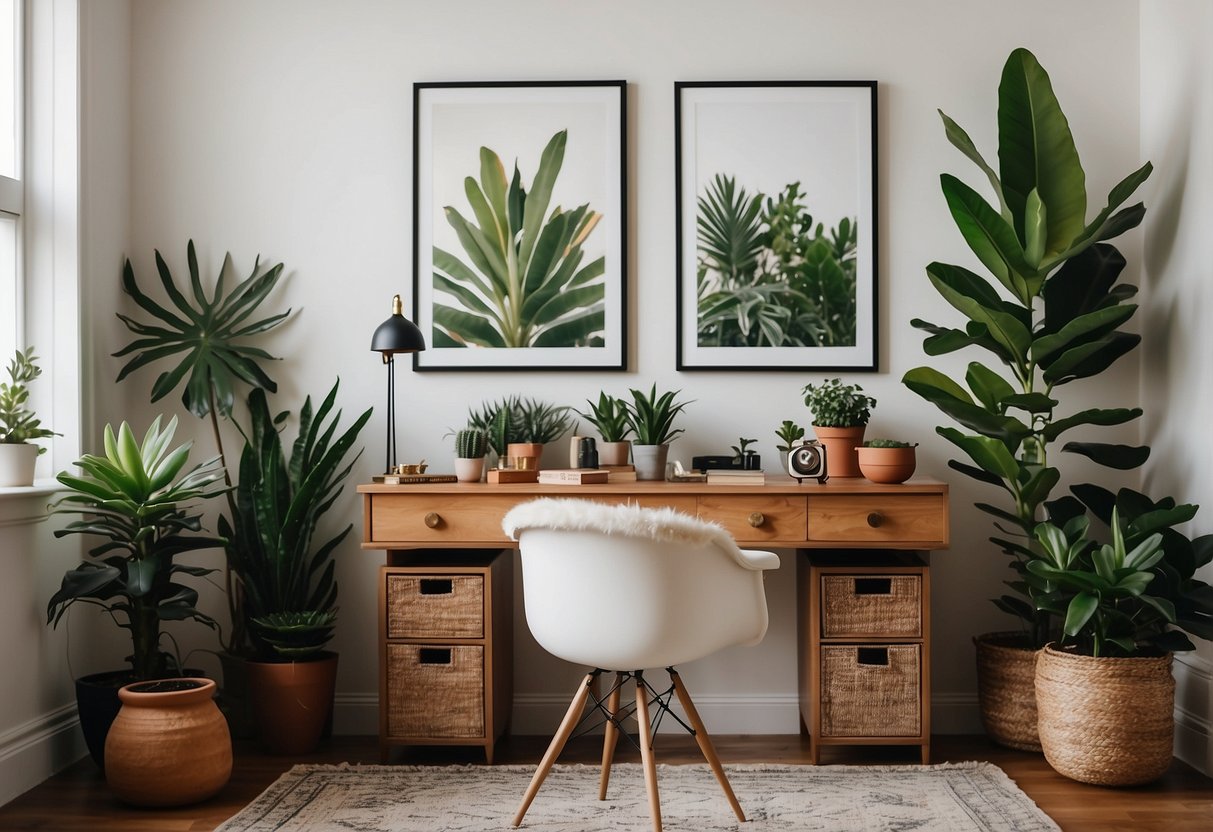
[{"x": 520, "y": 281}]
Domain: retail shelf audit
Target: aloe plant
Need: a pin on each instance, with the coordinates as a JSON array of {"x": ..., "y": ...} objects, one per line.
[
  {"x": 651, "y": 417},
  {"x": 132, "y": 498},
  {"x": 523, "y": 282},
  {"x": 610, "y": 416},
  {"x": 1048, "y": 314},
  {"x": 285, "y": 574}
]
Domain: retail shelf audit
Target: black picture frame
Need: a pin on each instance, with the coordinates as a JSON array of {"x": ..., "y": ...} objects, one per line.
[
  {"x": 781, "y": 306},
  {"x": 564, "y": 304}
]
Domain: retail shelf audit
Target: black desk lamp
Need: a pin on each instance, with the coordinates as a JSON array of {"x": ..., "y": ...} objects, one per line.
[{"x": 396, "y": 334}]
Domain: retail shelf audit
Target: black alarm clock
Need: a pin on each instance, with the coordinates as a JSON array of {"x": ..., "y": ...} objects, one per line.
[{"x": 808, "y": 461}]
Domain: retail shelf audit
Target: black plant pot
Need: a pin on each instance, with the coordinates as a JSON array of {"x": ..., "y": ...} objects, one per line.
[{"x": 98, "y": 704}]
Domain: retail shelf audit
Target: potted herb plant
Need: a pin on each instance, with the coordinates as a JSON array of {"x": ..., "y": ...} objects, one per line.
[
  {"x": 285, "y": 573},
  {"x": 471, "y": 445},
  {"x": 887, "y": 460},
  {"x": 840, "y": 417},
  {"x": 19, "y": 425},
  {"x": 1104, "y": 691},
  {"x": 133, "y": 500},
  {"x": 1049, "y": 313},
  {"x": 651, "y": 419},
  {"x": 610, "y": 417},
  {"x": 788, "y": 434},
  {"x": 745, "y": 458}
]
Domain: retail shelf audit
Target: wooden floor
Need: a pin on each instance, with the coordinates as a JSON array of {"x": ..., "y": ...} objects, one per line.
[{"x": 77, "y": 801}]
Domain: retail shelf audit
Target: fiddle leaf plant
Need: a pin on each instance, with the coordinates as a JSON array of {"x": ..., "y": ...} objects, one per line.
[
  {"x": 521, "y": 281},
  {"x": 133, "y": 499},
  {"x": 1048, "y": 313}
]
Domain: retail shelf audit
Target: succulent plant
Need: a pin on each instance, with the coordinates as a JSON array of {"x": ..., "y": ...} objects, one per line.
[{"x": 471, "y": 443}]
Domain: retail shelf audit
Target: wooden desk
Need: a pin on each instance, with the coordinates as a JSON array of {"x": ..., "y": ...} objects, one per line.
[{"x": 839, "y": 514}]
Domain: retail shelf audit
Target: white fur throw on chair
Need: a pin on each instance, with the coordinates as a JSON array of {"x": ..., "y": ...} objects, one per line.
[{"x": 660, "y": 524}]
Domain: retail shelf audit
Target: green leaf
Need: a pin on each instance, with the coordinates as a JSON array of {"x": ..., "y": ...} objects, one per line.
[
  {"x": 1035, "y": 231},
  {"x": 550, "y": 162},
  {"x": 989, "y": 387},
  {"x": 1030, "y": 402},
  {"x": 976, "y": 473},
  {"x": 1080, "y": 330},
  {"x": 1120, "y": 457},
  {"x": 953, "y": 400},
  {"x": 961, "y": 288},
  {"x": 990, "y": 454},
  {"x": 1094, "y": 416},
  {"x": 961, "y": 141},
  {"x": 1090, "y": 359},
  {"x": 1036, "y": 151},
  {"x": 1081, "y": 608},
  {"x": 988, "y": 235},
  {"x": 1083, "y": 284},
  {"x": 1106, "y": 225}
]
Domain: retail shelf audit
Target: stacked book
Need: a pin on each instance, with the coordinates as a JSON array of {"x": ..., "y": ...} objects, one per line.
[
  {"x": 735, "y": 476},
  {"x": 620, "y": 473},
  {"x": 573, "y": 476}
]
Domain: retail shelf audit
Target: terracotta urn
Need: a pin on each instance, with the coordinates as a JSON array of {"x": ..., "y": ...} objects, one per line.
[
  {"x": 169, "y": 745},
  {"x": 840, "y": 443}
]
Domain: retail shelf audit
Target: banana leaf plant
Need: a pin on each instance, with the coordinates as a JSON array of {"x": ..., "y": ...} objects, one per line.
[
  {"x": 521, "y": 281},
  {"x": 132, "y": 498},
  {"x": 1049, "y": 312},
  {"x": 285, "y": 573},
  {"x": 208, "y": 338}
]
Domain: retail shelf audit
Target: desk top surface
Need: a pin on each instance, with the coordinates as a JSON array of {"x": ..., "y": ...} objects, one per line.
[{"x": 781, "y": 485}]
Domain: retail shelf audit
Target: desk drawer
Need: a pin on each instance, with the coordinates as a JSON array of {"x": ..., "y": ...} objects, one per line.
[
  {"x": 435, "y": 606},
  {"x": 888, "y": 605},
  {"x": 871, "y": 690},
  {"x": 438, "y": 518},
  {"x": 756, "y": 519},
  {"x": 435, "y": 691},
  {"x": 899, "y": 518}
]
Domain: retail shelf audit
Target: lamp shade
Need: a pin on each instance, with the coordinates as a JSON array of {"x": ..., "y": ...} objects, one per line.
[{"x": 397, "y": 333}]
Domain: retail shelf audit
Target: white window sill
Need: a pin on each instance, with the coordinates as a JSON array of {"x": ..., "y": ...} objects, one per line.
[{"x": 27, "y": 504}]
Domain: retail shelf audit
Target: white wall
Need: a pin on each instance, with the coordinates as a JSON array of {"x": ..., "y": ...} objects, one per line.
[
  {"x": 1177, "y": 377},
  {"x": 284, "y": 128}
]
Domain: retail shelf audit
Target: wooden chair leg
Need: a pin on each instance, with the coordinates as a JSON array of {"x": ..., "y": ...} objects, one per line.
[
  {"x": 571, "y": 718},
  {"x": 646, "y": 751},
  {"x": 610, "y": 738},
  {"x": 705, "y": 743}
]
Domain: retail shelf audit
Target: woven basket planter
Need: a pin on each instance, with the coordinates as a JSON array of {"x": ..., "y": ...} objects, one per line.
[
  {"x": 1006, "y": 690},
  {"x": 1106, "y": 721}
]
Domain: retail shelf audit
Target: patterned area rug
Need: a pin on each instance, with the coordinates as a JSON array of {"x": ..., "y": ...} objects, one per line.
[{"x": 944, "y": 798}]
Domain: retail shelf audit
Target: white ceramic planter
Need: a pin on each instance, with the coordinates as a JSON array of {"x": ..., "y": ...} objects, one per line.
[
  {"x": 650, "y": 461},
  {"x": 17, "y": 464},
  {"x": 469, "y": 470}
]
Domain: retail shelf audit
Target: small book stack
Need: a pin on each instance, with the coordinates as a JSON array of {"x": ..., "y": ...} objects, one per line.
[
  {"x": 414, "y": 479},
  {"x": 735, "y": 476},
  {"x": 502, "y": 476},
  {"x": 573, "y": 476},
  {"x": 620, "y": 473}
]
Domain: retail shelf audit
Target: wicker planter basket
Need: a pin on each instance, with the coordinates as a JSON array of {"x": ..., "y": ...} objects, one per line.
[
  {"x": 1006, "y": 674},
  {"x": 1106, "y": 721}
]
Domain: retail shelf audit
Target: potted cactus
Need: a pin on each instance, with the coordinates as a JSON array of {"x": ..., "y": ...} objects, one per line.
[{"x": 471, "y": 444}]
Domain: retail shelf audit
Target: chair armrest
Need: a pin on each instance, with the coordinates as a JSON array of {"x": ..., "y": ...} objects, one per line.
[{"x": 757, "y": 560}]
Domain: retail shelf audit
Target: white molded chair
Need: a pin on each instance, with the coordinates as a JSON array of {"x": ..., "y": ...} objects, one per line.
[{"x": 623, "y": 588}]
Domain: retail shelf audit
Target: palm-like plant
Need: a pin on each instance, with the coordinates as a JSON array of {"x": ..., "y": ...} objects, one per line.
[
  {"x": 651, "y": 417},
  {"x": 207, "y": 336},
  {"x": 610, "y": 416},
  {"x": 132, "y": 499},
  {"x": 523, "y": 283},
  {"x": 286, "y": 578}
]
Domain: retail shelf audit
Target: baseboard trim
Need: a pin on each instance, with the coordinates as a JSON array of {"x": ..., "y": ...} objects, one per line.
[
  {"x": 537, "y": 714},
  {"x": 38, "y": 748}
]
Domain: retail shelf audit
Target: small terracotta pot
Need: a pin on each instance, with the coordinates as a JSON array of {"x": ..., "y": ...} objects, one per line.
[
  {"x": 292, "y": 702},
  {"x": 840, "y": 443},
  {"x": 613, "y": 453},
  {"x": 469, "y": 470},
  {"x": 524, "y": 455},
  {"x": 169, "y": 745},
  {"x": 886, "y": 465}
]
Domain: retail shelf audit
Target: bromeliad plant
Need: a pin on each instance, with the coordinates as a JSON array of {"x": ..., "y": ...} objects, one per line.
[
  {"x": 522, "y": 283},
  {"x": 1049, "y": 313},
  {"x": 133, "y": 498},
  {"x": 286, "y": 575},
  {"x": 651, "y": 417},
  {"x": 208, "y": 337}
]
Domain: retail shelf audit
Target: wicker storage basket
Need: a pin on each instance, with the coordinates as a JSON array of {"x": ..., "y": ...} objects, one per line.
[
  {"x": 862, "y": 697},
  {"x": 446, "y": 690},
  {"x": 1106, "y": 721},
  {"x": 861, "y": 605},
  {"x": 1006, "y": 690},
  {"x": 437, "y": 606}
]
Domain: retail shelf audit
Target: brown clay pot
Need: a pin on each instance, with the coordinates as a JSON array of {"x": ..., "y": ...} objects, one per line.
[
  {"x": 886, "y": 465},
  {"x": 841, "y": 458},
  {"x": 169, "y": 745},
  {"x": 1006, "y": 689},
  {"x": 614, "y": 453},
  {"x": 524, "y": 455},
  {"x": 292, "y": 702}
]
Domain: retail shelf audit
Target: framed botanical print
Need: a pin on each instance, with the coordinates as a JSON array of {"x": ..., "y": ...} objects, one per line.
[
  {"x": 519, "y": 214},
  {"x": 776, "y": 224}
]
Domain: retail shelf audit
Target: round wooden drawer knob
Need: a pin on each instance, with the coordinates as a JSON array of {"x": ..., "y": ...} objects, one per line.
[
  {"x": 875, "y": 520},
  {"x": 756, "y": 519},
  {"x": 433, "y": 519}
]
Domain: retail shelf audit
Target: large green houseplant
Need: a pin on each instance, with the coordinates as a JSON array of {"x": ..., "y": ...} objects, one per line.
[
  {"x": 1049, "y": 313},
  {"x": 285, "y": 566},
  {"x": 19, "y": 424},
  {"x": 133, "y": 499},
  {"x": 1125, "y": 606},
  {"x": 208, "y": 337}
]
